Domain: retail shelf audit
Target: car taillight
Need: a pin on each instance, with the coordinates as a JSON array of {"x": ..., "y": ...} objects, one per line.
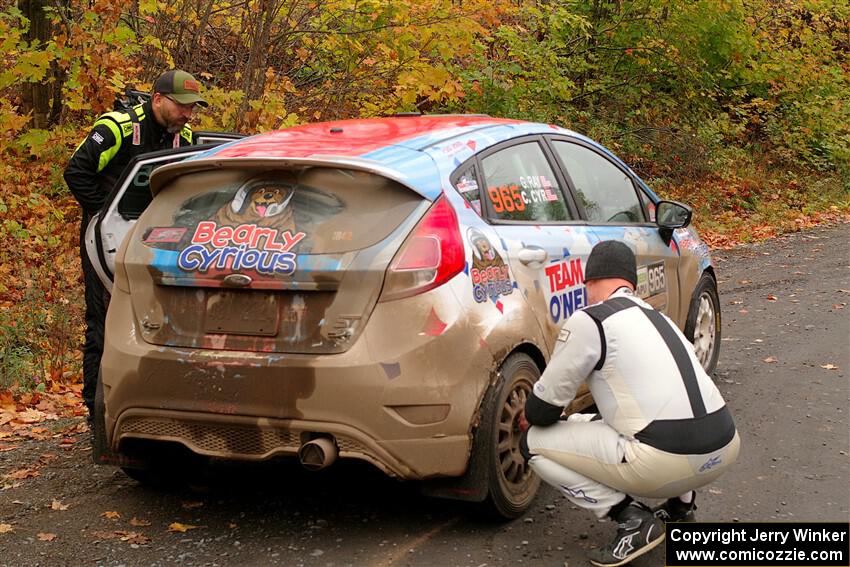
[{"x": 432, "y": 254}]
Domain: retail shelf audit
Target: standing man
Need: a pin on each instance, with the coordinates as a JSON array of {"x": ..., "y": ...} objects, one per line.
[
  {"x": 115, "y": 139},
  {"x": 662, "y": 430}
]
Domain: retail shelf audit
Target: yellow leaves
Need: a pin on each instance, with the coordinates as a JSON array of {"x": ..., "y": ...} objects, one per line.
[
  {"x": 6, "y": 528},
  {"x": 147, "y": 7},
  {"x": 111, "y": 515},
  {"x": 181, "y": 528}
]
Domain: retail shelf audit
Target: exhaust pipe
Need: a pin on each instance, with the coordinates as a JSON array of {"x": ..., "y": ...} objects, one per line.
[{"x": 318, "y": 453}]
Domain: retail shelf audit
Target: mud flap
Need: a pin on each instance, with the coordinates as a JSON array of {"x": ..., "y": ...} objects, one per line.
[{"x": 474, "y": 484}]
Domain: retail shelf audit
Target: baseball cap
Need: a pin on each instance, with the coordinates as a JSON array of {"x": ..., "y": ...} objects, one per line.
[
  {"x": 180, "y": 86},
  {"x": 611, "y": 259}
]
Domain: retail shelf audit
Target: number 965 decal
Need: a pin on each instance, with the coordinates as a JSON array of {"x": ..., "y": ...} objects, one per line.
[{"x": 651, "y": 280}]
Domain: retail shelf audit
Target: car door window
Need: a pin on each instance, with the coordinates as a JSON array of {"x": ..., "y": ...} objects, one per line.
[
  {"x": 648, "y": 205},
  {"x": 466, "y": 183},
  {"x": 137, "y": 196},
  {"x": 521, "y": 186},
  {"x": 605, "y": 191}
]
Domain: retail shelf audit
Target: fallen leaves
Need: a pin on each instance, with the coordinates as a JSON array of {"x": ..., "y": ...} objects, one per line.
[
  {"x": 57, "y": 505},
  {"x": 770, "y": 359},
  {"x": 771, "y": 297},
  {"x": 133, "y": 537},
  {"x": 829, "y": 366},
  {"x": 110, "y": 515},
  {"x": 30, "y": 415},
  {"x": 139, "y": 523},
  {"x": 124, "y": 535},
  {"x": 42, "y": 536},
  {"x": 24, "y": 414},
  {"x": 21, "y": 474},
  {"x": 181, "y": 528},
  {"x": 6, "y": 528}
]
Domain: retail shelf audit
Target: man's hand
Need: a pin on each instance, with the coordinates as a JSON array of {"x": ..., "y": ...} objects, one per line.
[{"x": 523, "y": 423}]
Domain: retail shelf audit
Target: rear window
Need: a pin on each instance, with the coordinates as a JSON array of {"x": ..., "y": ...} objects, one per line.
[{"x": 321, "y": 210}]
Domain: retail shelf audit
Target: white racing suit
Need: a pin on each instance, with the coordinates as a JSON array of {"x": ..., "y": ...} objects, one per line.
[{"x": 664, "y": 427}]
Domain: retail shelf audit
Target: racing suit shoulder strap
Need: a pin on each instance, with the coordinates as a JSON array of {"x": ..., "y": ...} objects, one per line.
[
  {"x": 682, "y": 359},
  {"x": 602, "y": 311},
  {"x": 599, "y": 313}
]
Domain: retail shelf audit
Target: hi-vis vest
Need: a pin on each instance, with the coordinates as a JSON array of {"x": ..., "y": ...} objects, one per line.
[
  {"x": 127, "y": 129},
  {"x": 648, "y": 383}
]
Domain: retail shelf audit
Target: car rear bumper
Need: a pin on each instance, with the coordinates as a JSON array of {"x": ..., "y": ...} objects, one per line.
[{"x": 403, "y": 398}]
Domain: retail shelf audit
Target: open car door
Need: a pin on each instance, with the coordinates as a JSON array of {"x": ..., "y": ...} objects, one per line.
[
  {"x": 204, "y": 137},
  {"x": 130, "y": 197}
]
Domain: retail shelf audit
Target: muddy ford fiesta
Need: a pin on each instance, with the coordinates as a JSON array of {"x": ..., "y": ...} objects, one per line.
[{"x": 385, "y": 290}]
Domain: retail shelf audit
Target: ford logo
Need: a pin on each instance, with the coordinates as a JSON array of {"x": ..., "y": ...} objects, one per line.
[{"x": 237, "y": 280}]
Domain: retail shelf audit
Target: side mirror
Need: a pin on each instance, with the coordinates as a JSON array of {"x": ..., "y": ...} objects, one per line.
[{"x": 670, "y": 215}]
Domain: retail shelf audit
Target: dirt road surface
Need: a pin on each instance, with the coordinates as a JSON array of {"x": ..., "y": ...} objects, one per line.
[{"x": 783, "y": 370}]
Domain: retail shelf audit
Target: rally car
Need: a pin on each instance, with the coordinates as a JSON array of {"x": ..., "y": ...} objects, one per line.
[{"x": 383, "y": 289}]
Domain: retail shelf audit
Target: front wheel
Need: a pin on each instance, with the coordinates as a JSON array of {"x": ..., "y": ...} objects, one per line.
[
  {"x": 512, "y": 484},
  {"x": 703, "y": 324}
]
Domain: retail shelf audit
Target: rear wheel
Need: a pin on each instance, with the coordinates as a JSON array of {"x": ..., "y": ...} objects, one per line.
[
  {"x": 162, "y": 464},
  {"x": 100, "y": 450},
  {"x": 513, "y": 485},
  {"x": 703, "y": 324}
]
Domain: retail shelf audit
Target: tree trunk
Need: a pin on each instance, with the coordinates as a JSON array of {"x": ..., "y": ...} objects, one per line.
[{"x": 36, "y": 97}]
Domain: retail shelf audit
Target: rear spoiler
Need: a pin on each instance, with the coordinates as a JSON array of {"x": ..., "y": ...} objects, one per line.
[{"x": 166, "y": 173}]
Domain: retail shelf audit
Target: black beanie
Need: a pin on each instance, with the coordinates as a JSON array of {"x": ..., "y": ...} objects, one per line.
[{"x": 611, "y": 259}]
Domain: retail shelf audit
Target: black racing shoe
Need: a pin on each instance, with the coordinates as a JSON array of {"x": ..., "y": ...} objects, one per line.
[
  {"x": 638, "y": 531},
  {"x": 674, "y": 510}
]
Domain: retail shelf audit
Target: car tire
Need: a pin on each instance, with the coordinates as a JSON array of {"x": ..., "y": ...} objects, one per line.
[
  {"x": 703, "y": 325},
  {"x": 165, "y": 465},
  {"x": 100, "y": 450},
  {"x": 155, "y": 477},
  {"x": 512, "y": 484}
]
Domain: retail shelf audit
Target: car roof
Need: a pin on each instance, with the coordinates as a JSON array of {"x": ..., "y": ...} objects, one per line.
[
  {"x": 358, "y": 137},
  {"x": 413, "y": 150}
]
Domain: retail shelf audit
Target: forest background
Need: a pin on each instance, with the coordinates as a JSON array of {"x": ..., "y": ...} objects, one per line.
[{"x": 737, "y": 107}]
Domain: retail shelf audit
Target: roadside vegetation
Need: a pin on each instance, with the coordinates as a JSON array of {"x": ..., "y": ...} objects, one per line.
[{"x": 736, "y": 107}]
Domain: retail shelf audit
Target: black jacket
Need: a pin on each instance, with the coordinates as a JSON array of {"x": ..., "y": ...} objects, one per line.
[{"x": 115, "y": 139}]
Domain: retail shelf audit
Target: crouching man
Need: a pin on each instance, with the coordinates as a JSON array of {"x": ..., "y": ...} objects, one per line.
[{"x": 663, "y": 429}]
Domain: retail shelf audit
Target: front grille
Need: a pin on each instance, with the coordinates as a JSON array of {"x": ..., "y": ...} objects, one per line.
[{"x": 227, "y": 439}]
